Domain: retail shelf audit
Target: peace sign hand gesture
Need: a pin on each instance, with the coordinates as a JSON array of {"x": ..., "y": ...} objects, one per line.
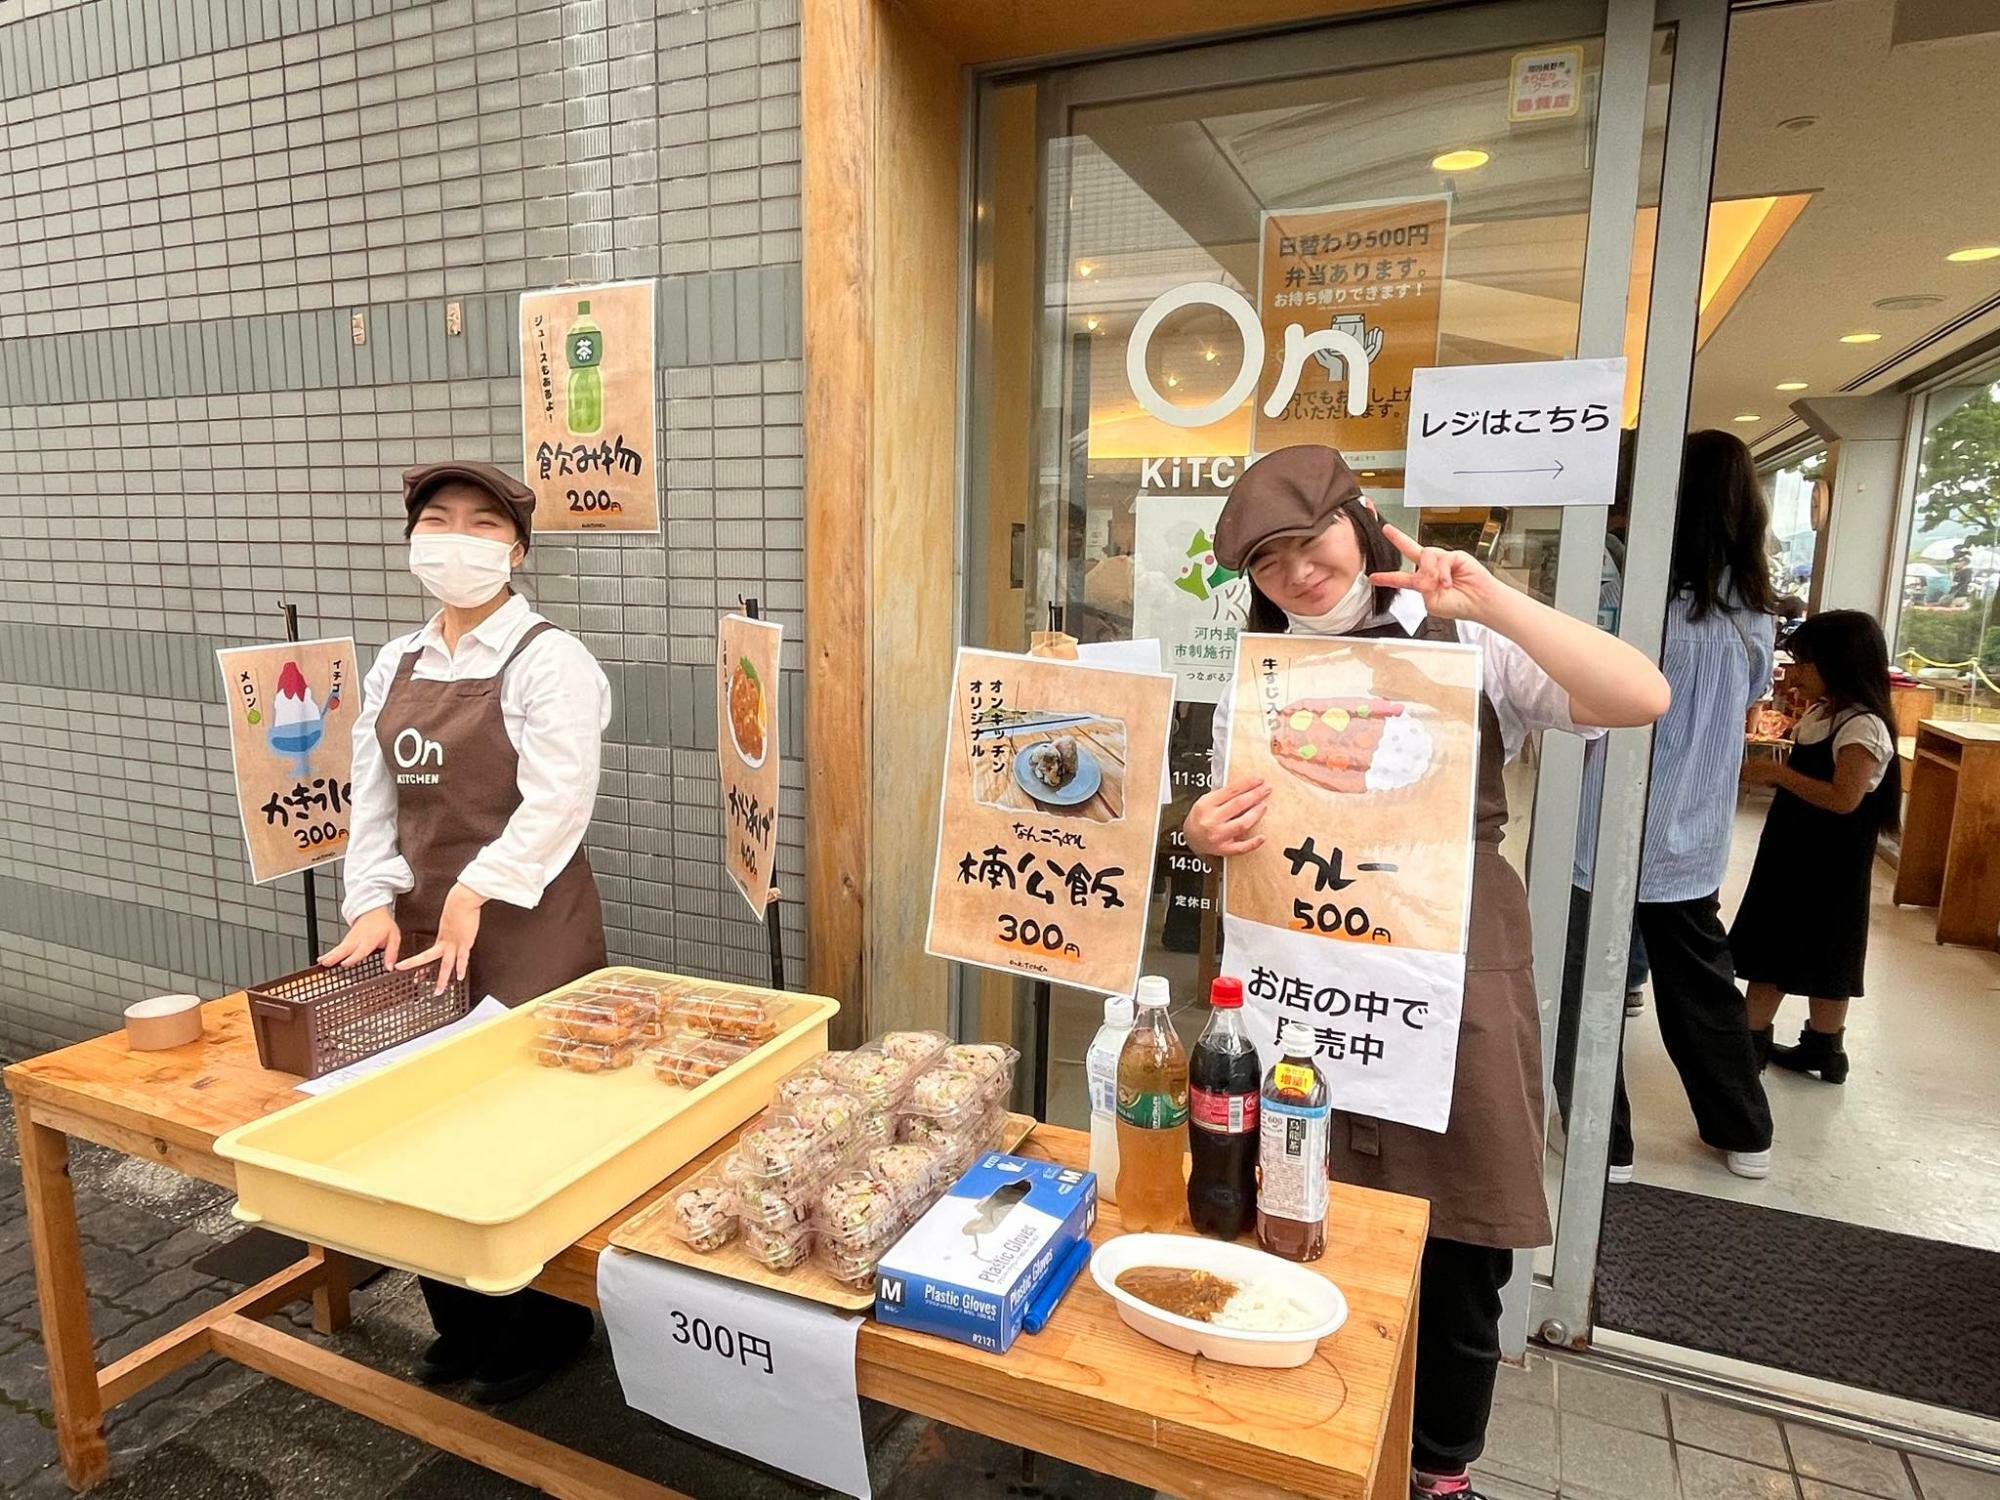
[{"x": 1455, "y": 585}]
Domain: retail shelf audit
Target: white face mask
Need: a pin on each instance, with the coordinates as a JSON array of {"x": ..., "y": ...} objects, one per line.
[
  {"x": 461, "y": 570},
  {"x": 1348, "y": 611}
]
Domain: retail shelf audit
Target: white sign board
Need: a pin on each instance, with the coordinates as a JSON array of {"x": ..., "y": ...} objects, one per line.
[
  {"x": 1541, "y": 433},
  {"x": 752, "y": 1371},
  {"x": 1545, "y": 85},
  {"x": 1183, "y": 596}
]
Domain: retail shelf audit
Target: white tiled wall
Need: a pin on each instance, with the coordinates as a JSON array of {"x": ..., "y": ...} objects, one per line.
[{"x": 195, "y": 198}]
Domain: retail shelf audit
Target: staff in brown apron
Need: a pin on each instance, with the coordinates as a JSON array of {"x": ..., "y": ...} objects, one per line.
[
  {"x": 1320, "y": 560},
  {"x": 451, "y": 867}
]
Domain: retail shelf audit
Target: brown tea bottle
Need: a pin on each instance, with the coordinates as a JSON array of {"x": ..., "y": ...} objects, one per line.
[{"x": 1296, "y": 1117}]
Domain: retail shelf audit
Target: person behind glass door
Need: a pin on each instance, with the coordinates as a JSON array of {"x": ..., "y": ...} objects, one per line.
[
  {"x": 1321, "y": 562},
  {"x": 1717, "y": 656},
  {"x": 465, "y": 844},
  {"x": 1802, "y": 928}
]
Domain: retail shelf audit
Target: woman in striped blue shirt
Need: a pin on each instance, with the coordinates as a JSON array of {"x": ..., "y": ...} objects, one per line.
[{"x": 1717, "y": 656}]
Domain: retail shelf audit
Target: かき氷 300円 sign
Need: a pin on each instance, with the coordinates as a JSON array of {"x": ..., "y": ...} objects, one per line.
[{"x": 1351, "y": 916}]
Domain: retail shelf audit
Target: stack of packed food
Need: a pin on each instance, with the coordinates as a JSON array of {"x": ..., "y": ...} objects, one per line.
[
  {"x": 853, "y": 1149},
  {"x": 598, "y": 1026},
  {"x": 688, "y": 1033}
]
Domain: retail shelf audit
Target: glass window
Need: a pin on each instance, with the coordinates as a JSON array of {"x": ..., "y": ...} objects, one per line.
[
  {"x": 1794, "y": 531},
  {"x": 1945, "y": 629}
]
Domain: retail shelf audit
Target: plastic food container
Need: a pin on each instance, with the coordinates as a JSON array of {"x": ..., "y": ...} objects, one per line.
[
  {"x": 918, "y": 1047},
  {"x": 586, "y": 1057},
  {"x": 1322, "y": 1301},
  {"x": 853, "y": 1265},
  {"x": 779, "y": 1249},
  {"x": 834, "y": 1116},
  {"x": 858, "y": 1208},
  {"x": 951, "y": 1097},
  {"x": 741, "y": 1016},
  {"x": 803, "y": 1084},
  {"x": 990, "y": 1062},
  {"x": 879, "y": 1079},
  {"x": 595, "y": 1020},
  {"x": 911, "y": 1169},
  {"x": 877, "y": 1128},
  {"x": 779, "y": 1153},
  {"x": 705, "y": 1213},
  {"x": 687, "y": 1058}
]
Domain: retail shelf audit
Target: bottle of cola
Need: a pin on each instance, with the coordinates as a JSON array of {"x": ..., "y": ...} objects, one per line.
[{"x": 1223, "y": 1085}]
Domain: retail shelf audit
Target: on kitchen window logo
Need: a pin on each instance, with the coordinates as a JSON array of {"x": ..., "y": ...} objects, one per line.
[{"x": 1324, "y": 344}]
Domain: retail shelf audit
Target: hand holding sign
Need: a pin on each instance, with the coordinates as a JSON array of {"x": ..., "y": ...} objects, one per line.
[{"x": 1455, "y": 585}]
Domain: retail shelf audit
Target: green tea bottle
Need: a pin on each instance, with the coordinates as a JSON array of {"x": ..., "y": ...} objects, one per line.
[{"x": 585, "y": 350}]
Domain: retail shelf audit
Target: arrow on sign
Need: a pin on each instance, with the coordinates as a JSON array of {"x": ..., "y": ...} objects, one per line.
[
  {"x": 1553, "y": 469},
  {"x": 1552, "y": 472}
]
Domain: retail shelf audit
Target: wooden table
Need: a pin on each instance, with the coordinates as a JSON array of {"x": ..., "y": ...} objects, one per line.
[
  {"x": 1951, "y": 830},
  {"x": 1086, "y": 1389}
]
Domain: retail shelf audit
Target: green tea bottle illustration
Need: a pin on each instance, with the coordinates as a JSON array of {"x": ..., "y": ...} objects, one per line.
[{"x": 585, "y": 350}]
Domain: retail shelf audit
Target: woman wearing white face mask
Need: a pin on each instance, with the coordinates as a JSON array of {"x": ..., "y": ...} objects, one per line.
[{"x": 475, "y": 771}]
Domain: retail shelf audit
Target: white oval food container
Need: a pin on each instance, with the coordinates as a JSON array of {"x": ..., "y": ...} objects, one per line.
[{"x": 1275, "y": 1351}]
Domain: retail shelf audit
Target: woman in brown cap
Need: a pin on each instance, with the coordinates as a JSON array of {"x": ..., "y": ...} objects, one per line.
[
  {"x": 466, "y": 839},
  {"x": 1321, "y": 561}
]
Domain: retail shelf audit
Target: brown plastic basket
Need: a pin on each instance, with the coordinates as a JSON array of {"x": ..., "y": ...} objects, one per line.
[{"x": 317, "y": 1020}]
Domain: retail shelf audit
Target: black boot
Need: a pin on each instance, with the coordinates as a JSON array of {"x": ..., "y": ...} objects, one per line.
[{"x": 1817, "y": 1052}]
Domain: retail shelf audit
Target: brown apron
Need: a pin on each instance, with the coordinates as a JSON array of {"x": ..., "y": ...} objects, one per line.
[
  {"x": 1483, "y": 1175},
  {"x": 446, "y": 745}
]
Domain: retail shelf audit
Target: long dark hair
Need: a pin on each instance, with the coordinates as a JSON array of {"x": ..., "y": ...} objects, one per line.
[
  {"x": 1378, "y": 555},
  {"x": 1846, "y": 648},
  {"x": 1722, "y": 526}
]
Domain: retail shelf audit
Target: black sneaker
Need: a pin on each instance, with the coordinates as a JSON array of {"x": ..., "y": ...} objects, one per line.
[{"x": 446, "y": 1360}]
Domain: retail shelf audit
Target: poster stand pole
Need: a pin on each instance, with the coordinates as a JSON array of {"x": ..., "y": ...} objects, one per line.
[
  {"x": 773, "y": 931},
  {"x": 311, "y": 877},
  {"x": 1042, "y": 993}
]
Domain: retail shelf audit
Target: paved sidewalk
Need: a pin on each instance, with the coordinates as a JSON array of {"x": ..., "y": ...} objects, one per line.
[{"x": 217, "y": 1431}]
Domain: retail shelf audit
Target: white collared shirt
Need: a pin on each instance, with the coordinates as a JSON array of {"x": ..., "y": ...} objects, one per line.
[{"x": 555, "y": 703}]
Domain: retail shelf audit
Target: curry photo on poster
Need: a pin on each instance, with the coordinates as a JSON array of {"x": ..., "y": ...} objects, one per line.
[
  {"x": 1054, "y": 762},
  {"x": 1368, "y": 747}
]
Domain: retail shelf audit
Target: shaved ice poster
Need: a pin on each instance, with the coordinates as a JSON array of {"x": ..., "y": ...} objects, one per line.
[
  {"x": 1182, "y": 596},
  {"x": 291, "y": 742},
  {"x": 1351, "y": 916}
]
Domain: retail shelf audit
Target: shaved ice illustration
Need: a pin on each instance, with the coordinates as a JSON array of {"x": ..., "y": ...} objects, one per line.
[
  {"x": 297, "y": 722},
  {"x": 1202, "y": 575}
]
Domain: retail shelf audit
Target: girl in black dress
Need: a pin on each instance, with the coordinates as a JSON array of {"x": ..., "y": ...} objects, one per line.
[{"x": 1803, "y": 926}]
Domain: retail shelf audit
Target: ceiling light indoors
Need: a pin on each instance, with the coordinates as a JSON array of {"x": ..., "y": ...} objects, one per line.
[
  {"x": 1909, "y": 303},
  {"x": 1091, "y": 324},
  {"x": 1859, "y": 338},
  {"x": 1792, "y": 385},
  {"x": 1798, "y": 122},
  {"x": 1746, "y": 416},
  {"x": 1084, "y": 268},
  {"x": 1466, "y": 159},
  {"x": 1173, "y": 381},
  {"x": 1209, "y": 355},
  {"x": 1974, "y": 252}
]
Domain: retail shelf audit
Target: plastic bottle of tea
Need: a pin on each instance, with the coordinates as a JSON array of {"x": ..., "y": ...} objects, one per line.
[
  {"x": 1292, "y": 1149},
  {"x": 1152, "y": 1115}
]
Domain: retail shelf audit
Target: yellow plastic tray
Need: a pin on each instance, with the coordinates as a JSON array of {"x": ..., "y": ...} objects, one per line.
[{"x": 473, "y": 1164}]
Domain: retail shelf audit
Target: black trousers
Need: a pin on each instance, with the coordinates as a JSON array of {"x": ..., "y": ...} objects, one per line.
[
  {"x": 509, "y": 1333},
  {"x": 1703, "y": 1022},
  {"x": 1458, "y": 1352}
]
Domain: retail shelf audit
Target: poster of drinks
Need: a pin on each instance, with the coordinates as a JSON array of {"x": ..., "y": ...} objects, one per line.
[
  {"x": 746, "y": 745},
  {"x": 1051, "y": 806},
  {"x": 588, "y": 413},
  {"x": 291, "y": 744},
  {"x": 1351, "y": 916}
]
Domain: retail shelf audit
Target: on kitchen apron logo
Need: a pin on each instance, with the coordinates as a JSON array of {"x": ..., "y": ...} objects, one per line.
[{"x": 413, "y": 752}]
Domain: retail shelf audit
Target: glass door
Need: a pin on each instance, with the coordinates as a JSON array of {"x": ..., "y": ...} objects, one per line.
[{"x": 1458, "y": 188}]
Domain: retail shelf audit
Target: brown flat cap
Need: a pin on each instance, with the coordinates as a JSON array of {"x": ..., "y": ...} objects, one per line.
[
  {"x": 513, "y": 496},
  {"x": 1287, "y": 492}
]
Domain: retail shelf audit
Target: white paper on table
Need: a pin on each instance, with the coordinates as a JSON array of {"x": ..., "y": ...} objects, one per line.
[
  {"x": 750, "y": 1370},
  {"x": 484, "y": 1011},
  {"x": 1142, "y": 655}
]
